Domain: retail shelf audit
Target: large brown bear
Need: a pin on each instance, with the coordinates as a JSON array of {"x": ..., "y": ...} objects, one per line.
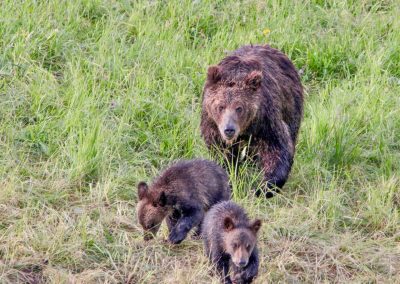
[{"x": 254, "y": 97}]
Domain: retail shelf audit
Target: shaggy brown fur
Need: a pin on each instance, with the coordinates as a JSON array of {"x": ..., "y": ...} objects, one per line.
[
  {"x": 254, "y": 96},
  {"x": 230, "y": 237},
  {"x": 182, "y": 193}
]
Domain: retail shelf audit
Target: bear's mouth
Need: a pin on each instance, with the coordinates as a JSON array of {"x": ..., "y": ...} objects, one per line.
[{"x": 229, "y": 141}]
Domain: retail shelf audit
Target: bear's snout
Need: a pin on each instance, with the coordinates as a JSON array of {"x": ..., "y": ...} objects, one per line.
[
  {"x": 229, "y": 132},
  {"x": 229, "y": 127},
  {"x": 241, "y": 262}
]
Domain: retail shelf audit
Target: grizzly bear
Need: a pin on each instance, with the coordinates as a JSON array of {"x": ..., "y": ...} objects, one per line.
[
  {"x": 254, "y": 97},
  {"x": 181, "y": 194},
  {"x": 230, "y": 237}
]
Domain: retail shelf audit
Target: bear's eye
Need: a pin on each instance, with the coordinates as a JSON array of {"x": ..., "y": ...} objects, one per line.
[
  {"x": 220, "y": 108},
  {"x": 154, "y": 204},
  {"x": 231, "y": 84},
  {"x": 239, "y": 110},
  {"x": 235, "y": 246},
  {"x": 248, "y": 247}
]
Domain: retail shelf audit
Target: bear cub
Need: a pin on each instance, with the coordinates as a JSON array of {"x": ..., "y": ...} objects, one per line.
[
  {"x": 181, "y": 194},
  {"x": 230, "y": 241}
]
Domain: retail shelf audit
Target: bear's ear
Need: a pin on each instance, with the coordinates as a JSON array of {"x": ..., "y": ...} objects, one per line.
[
  {"x": 228, "y": 224},
  {"x": 255, "y": 226},
  {"x": 142, "y": 190},
  {"x": 213, "y": 74},
  {"x": 253, "y": 79},
  {"x": 162, "y": 200}
]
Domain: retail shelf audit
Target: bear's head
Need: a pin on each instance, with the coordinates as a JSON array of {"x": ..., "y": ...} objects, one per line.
[
  {"x": 232, "y": 102},
  {"x": 150, "y": 209},
  {"x": 239, "y": 241}
]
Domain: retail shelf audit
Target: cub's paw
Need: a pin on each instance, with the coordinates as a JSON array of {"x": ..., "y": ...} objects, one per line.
[
  {"x": 176, "y": 237},
  {"x": 242, "y": 278}
]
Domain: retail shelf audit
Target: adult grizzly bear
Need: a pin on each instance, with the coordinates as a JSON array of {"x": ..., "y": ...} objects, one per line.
[{"x": 254, "y": 97}]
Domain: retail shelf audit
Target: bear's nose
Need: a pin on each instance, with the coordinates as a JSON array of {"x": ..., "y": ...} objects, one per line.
[
  {"x": 229, "y": 132},
  {"x": 242, "y": 263}
]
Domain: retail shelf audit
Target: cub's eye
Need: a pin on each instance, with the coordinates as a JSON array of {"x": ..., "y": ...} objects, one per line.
[
  {"x": 220, "y": 108},
  {"x": 235, "y": 246},
  {"x": 154, "y": 204},
  {"x": 231, "y": 84},
  {"x": 239, "y": 109},
  {"x": 248, "y": 247}
]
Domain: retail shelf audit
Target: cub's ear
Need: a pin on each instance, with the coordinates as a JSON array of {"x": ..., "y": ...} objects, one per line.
[
  {"x": 253, "y": 79},
  {"x": 228, "y": 224},
  {"x": 255, "y": 226},
  {"x": 162, "y": 200},
  {"x": 142, "y": 190},
  {"x": 213, "y": 74}
]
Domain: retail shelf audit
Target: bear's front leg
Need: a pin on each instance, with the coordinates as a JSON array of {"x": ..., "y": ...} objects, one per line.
[
  {"x": 222, "y": 261},
  {"x": 277, "y": 162},
  {"x": 173, "y": 219},
  {"x": 191, "y": 217},
  {"x": 247, "y": 274}
]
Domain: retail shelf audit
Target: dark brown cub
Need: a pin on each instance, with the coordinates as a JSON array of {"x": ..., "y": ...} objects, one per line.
[
  {"x": 230, "y": 241},
  {"x": 182, "y": 194},
  {"x": 254, "y": 96}
]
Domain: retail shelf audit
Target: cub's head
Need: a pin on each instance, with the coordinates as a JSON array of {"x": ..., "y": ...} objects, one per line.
[
  {"x": 150, "y": 209},
  {"x": 240, "y": 241},
  {"x": 232, "y": 102}
]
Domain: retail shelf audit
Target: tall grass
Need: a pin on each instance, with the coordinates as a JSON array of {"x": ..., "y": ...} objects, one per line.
[{"x": 96, "y": 95}]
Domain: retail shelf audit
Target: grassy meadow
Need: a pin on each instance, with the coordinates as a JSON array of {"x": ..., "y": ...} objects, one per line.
[{"x": 98, "y": 95}]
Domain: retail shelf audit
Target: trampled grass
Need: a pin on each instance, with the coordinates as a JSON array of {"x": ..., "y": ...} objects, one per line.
[{"x": 98, "y": 95}]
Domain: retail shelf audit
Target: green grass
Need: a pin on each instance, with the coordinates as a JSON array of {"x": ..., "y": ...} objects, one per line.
[{"x": 98, "y": 95}]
